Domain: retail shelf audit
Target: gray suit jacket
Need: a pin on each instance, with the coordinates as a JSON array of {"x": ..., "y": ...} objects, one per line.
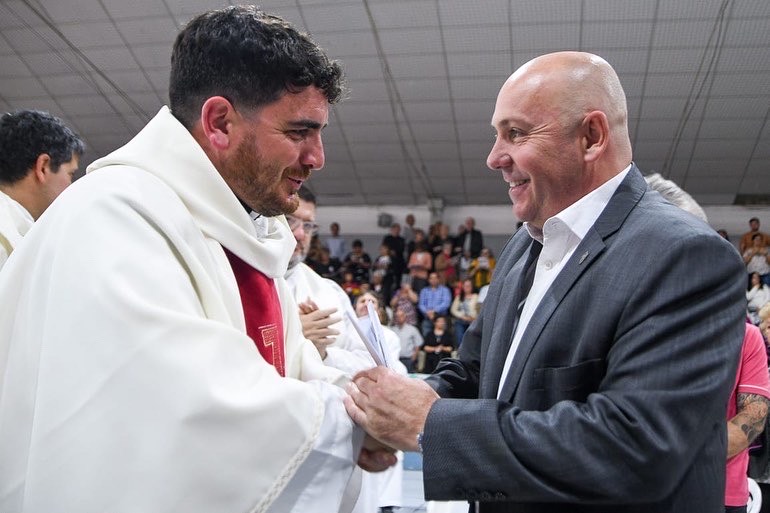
[{"x": 616, "y": 397}]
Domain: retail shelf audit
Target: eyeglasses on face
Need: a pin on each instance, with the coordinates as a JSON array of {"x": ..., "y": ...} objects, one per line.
[{"x": 307, "y": 226}]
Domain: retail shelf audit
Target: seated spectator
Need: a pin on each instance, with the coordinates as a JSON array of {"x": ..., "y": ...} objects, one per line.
[
  {"x": 464, "y": 310},
  {"x": 351, "y": 287},
  {"x": 419, "y": 236},
  {"x": 405, "y": 298},
  {"x": 747, "y": 239},
  {"x": 757, "y": 258},
  {"x": 383, "y": 273},
  {"x": 480, "y": 270},
  {"x": 396, "y": 246},
  {"x": 420, "y": 264},
  {"x": 434, "y": 301},
  {"x": 757, "y": 296},
  {"x": 326, "y": 266},
  {"x": 464, "y": 264},
  {"x": 440, "y": 238},
  {"x": 445, "y": 264},
  {"x": 410, "y": 337},
  {"x": 358, "y": 262},
  {"x": 439, "y": 343}
]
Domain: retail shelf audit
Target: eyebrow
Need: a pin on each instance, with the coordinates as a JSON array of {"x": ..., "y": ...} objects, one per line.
[{"x": 306, "y": 123}]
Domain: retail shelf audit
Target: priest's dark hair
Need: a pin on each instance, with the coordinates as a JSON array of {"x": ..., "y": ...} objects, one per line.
[
  {"x": 27, "y": 134},
  {"x": 248, "y": 57}
]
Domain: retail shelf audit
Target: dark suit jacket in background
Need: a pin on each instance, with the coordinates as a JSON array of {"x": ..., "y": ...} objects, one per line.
[
  {"x": 616, "y": 397},
  {"x": 477, "y": 242}
]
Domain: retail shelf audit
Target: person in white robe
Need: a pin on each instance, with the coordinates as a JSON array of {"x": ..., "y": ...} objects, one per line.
[
  {"x": 326, "y": 315},
  {"x": 129, "y": 376},
  {"x": 39, "y": 155}
]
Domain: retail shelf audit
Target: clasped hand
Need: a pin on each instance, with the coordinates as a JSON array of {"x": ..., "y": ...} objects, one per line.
[
  {"x": 390, "y": 407},
  {"x": 315, "y": 325}
]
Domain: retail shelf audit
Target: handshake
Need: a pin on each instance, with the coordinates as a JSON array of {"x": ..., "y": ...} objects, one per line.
[{"x": 392, "y": 409}]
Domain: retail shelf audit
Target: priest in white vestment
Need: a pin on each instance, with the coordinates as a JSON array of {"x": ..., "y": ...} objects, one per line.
[
  {"x": 139, "y": 370},
  {"x": 326, "y": 315}
]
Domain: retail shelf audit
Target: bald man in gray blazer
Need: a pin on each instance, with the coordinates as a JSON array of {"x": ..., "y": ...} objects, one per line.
[{"x": 602, "y": 387}]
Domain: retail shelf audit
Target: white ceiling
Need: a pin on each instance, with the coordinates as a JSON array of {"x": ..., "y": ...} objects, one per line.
[{"x": 423, "y": 77}]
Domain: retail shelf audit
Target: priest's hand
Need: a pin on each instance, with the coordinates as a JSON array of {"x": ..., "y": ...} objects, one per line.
[
  {"x": 390, "y": 407},
  {"x": 376, "y": 456},
  {"x": 315, "y": 325}
]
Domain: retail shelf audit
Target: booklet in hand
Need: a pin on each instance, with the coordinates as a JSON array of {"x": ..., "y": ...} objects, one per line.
[{"x": 370, "y": 331}]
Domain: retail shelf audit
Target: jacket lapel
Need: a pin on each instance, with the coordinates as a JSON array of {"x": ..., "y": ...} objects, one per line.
[
  {"x": 499, "y": 313},
  {"x": 628, "y": 194}
]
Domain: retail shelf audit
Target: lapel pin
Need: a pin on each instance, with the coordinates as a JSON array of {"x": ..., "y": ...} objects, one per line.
[{"x": 583, "y": 258}]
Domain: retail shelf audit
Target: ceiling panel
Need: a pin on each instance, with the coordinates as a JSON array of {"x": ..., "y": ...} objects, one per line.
[
  {"x": 91, "y": 34},
  {"x": 620, "y": 10},
  {"x": 143, "y": 31},
  {"x": 411, "y": 41},
  {"x": 543, "y": 11},
  {"x": 120, "y": 9},
  {"x": 73, "y": 11},
  {"x": 400, "y": 14},
  {"x": 21, "y": 88},
  {"x": 14, "y": 67},
  {"x": 32, "y": 40},
  {"x": 471, "y": 39},
  {"x": 332, "y": 17}
]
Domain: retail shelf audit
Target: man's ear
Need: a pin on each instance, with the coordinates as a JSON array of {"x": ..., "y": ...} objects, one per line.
[
  {"x": 217, "y": 116},
  {"x": 42, "y": 167},
  {"x": 595, "y": 132}
]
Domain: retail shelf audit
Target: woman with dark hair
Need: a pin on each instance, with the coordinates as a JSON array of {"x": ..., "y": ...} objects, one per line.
[{"x": 439, "y": 343}]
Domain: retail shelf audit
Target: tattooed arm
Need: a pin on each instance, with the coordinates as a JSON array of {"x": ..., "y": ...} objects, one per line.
[{"x": 747, "y": 424}]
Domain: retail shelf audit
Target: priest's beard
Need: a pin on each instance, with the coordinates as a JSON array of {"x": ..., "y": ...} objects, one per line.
[
  {"x": 263, "y": 186},
  {"x": 299, "y": 255}
]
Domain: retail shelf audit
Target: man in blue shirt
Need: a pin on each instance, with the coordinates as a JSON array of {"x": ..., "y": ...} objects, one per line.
[{"x": 434, "y": 301}]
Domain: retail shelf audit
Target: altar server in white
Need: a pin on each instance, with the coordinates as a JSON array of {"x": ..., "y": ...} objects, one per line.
[{"x": 151, "y": 356}]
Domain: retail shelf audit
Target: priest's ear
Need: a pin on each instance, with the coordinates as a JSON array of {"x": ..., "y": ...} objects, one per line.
[{"x": 218, "y": 117}]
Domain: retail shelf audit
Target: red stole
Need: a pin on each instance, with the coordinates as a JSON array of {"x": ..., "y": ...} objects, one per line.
[{"x": 262, "y": 310}]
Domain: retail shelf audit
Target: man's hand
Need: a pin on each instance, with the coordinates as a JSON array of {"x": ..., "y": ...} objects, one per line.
[
  {"x": 315, "y": 325},
  {"x": 390, "y": 407},
  {"x": 376, "y": 456}
]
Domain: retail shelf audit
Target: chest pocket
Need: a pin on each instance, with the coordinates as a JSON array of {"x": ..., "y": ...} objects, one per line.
[{"x": 573, "y": 383}]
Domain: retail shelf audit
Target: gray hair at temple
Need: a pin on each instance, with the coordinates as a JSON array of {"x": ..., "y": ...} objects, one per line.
[{"x": 675, "y": 195}]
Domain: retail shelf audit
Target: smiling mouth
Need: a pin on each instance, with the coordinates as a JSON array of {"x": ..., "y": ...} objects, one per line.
[{"x": 517, "y": 183}]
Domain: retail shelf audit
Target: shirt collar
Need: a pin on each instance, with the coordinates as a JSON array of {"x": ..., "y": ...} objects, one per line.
[{"x": 581, "y": 215}]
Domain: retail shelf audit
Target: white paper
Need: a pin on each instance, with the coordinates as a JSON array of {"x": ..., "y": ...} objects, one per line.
[{"x": 370, "y": 331}]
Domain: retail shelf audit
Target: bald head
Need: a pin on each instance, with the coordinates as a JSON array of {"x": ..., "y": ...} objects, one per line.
[
  {"x": 572, "y": 84},
  {"x": 562, "y": 131}
]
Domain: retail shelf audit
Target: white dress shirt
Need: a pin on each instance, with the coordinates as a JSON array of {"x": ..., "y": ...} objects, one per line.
[{"x": 560, "y": 236}]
